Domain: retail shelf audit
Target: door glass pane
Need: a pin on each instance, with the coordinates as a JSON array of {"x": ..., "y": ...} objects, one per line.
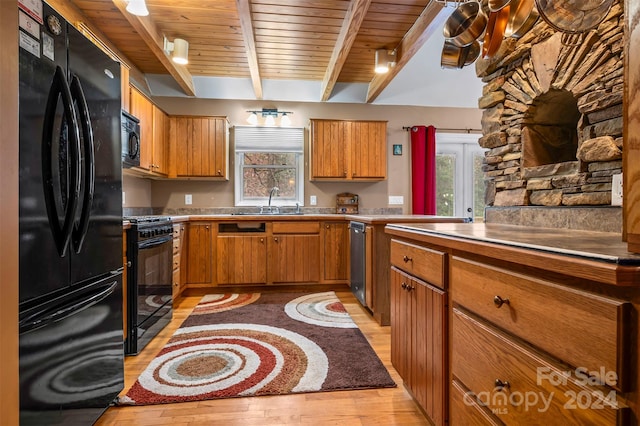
[
  {"x": 478, "y": 188},
  {"x": 445, "y": 184}
]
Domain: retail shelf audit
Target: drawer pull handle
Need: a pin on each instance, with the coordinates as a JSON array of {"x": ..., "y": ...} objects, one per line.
[
  {"x": 407, "y": 259},
  {"x": 499, "y": 301},
  {"x": 500, "y": 385}
]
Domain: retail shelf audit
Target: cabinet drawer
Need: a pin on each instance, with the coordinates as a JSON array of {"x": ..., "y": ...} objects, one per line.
[
  {"x": 419, "y": 261},
  {"x": 296, "y": 227},
  {"x": 176, "y": 261},
  {"x": 536, "y": 391},
  {"x": 465, "y": 409},
  {"x": 580, "y": 328}
]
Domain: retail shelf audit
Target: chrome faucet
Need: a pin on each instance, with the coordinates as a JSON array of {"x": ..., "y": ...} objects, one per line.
[
  {"x": 269, "y": 209},
  {"x": 273, "y": 190}
]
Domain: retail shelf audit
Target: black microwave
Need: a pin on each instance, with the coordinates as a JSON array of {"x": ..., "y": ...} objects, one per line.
[{"x": 130, "y": 140}]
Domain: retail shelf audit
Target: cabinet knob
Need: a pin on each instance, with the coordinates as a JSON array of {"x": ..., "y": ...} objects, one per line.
[
  {"x": 326, "y": 226},
  {"x": 404, "y": 286},
  {"x": 206, "y": 227},
  {"x": 499, "y": 301},
  {"x": 345, "y": 173},
  {"x": 262, "y": 240},
  {"x": 275, "y": 239},
  {"x": 407, "y": 259},
  {"x": 219, "y": 172},
  {"x": 500, "y": 385}
]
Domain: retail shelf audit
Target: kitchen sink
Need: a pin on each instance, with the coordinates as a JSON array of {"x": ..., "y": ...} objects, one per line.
[{"x": 268, "y": 214}]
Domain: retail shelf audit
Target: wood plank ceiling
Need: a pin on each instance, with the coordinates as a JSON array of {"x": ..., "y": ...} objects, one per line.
[{"x": 319, "y": 40}]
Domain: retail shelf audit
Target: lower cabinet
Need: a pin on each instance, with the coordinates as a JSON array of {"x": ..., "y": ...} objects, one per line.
[
  {"x": 178, "y": 241},
  {"x": 336, "y": 254},
  {"x": 418, "y": 341},
  {"x": 200, "y": 253},
  {"x": 241, "y": 259},
  {"x": 294, "y": 253}
]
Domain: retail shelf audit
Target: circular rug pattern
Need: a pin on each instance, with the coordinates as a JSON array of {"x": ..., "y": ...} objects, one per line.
[
  {"x": 212, "y": 303},
  {"x": 323, "y": 309},
  {"x": 224, "y": 360}
]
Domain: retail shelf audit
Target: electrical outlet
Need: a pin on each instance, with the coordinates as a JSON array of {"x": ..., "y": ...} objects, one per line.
[
  {"x": 313, "y": 200},
  {"x": 396, "y": 200},
  {"x": 188, "y": 199},
  {"x": 616, "y": 190}
]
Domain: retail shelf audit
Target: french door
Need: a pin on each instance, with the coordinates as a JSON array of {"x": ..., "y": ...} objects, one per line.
[{"x": 459, "y": 178}]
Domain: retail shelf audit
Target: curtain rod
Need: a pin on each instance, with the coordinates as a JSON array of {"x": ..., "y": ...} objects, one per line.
[{"x": 448, "y": 130}]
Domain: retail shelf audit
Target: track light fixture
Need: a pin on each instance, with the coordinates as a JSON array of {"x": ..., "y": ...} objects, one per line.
[
  {"x": 178, "y": 49},
  {"x": 269, "y": 115},
  {"x": 385, "y": 59}
]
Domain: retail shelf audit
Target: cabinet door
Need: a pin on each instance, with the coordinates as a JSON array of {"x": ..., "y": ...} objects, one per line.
[
  {"x": 241, "y": 259},
  {"x": 199, "y": 253},
  {"x": 368, "y": 141},
  {"x": 418, "y": 341},
  {"x": 336, "y": 251},
  {"x": 328, "y": 150},
  {"x": 142, "y": 108},
  {"x": 160, "y": 157},
  {"x": 401, "y": 317},
  {"x": 294, "y": 259},
  {"x": 200, "y": 145}
]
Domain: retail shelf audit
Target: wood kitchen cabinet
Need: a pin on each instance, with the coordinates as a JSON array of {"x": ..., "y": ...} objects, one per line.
[
  {"x": 153, "y": 134},
  {"x": 418, "y": 341},
  {"x": 178, "y": 241},
  {"x": 348, "y": 150},
  {"x": 199, "y": 253},
  {"x": 294, "y": 253},
  {"x": 241, "y": 259},
  {"x": 335, "y": 245},
  {"x": 199, "y": 147}
]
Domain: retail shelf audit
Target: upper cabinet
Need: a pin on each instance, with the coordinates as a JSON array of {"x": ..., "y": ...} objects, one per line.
[
  {"x": 348, "y": 150},
  {"x": 153, "y": 134},
  {"x": 199, "y": 147}
]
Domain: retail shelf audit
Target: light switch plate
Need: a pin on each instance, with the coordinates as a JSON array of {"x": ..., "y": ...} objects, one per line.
[
  {"x": 313, "y": 200},
  {"x": 188, "y": 199},
  {"x": 616, "y": 190},
  {"x": 396, "y": 200},
  {"x": 123, "y": 194}
]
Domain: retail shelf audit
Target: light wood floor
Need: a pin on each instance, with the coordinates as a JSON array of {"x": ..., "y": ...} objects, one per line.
[{"x": 392, "y": 406}]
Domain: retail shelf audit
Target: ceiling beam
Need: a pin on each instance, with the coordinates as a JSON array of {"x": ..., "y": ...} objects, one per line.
[
  {"x": 154, "y": 39},
  {"x": 350, "y": 28},
  {"x": 244, "y": 11},
  {"x": 429, "y": 21}
]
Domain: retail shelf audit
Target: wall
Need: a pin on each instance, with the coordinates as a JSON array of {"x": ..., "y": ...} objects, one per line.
[{"x": 207, "y": 194}]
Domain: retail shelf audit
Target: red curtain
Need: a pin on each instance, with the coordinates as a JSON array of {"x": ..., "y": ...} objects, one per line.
[{"x": 423, "y": 169}]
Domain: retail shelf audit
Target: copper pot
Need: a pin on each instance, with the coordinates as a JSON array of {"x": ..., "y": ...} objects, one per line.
[
  {"x": 457, "y": 57},
  {"x": 496, "y": 5},
  {"x": 522, "y": 17},
  {"x": 465, "y": 24},
  {"x": 574, "y": 16},
  {"x": 495, "y": 32}
]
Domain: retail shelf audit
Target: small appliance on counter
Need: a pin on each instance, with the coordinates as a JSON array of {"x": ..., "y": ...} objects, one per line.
[{"x": 347, "y": 203}]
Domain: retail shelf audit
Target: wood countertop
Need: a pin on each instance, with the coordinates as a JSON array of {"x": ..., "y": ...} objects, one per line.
[{"x": 600, "y": 256}]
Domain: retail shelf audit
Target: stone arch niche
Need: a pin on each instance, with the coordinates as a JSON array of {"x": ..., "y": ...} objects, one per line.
[{"x": 552, "y": 116}]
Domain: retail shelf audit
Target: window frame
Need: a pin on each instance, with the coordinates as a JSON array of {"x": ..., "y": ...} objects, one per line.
[{"x": 239, "y": 167}]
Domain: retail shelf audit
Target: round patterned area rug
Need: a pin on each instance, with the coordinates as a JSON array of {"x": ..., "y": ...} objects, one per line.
[{"x": 235, "y": 345}]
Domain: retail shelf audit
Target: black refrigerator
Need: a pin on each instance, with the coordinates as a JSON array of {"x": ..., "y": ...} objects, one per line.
[{"x": 71, "y": 336}]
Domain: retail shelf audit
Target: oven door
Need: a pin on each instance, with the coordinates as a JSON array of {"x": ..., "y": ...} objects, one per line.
[{"x": 153, "y": 301}]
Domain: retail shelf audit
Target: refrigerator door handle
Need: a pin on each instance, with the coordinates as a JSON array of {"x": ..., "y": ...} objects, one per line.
[
  {"x": 57, "y": 313},
  {"x": 61, "y": 234},
  {"x": 88, "y": 172}
]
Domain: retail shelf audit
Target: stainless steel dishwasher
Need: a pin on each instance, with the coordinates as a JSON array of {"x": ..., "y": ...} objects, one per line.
[{"x": 358, "y": 260}]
